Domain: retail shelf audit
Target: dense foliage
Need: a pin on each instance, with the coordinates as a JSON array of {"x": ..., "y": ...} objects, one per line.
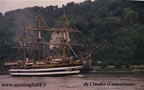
[{"x": 120, "y": 22}]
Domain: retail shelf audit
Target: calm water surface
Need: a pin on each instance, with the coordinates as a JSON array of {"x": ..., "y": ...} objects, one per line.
[{"x": 97, "y": 81}]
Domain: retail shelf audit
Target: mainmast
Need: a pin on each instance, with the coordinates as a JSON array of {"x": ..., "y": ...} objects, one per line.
[{"x": 65, "y": 25}]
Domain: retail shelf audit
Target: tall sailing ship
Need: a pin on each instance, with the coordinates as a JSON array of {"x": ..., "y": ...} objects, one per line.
[{"x": 62, "y": 58}]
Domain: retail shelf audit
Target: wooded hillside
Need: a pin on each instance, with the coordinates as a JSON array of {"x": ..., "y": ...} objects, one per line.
[{"x": 120, "y": 22}]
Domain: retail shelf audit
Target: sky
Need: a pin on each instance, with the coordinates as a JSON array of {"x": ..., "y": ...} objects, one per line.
[{"x": 7, "y": 5}]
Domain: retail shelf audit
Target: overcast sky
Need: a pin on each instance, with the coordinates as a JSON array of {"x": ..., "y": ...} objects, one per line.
[{"x": 7, "y": 5}]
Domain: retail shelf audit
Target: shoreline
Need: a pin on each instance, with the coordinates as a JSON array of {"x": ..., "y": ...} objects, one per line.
[{"x": 95, "y": 72}]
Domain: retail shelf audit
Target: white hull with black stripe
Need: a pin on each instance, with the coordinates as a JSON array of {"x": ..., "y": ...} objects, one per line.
[{"x": 46, "y": 71}]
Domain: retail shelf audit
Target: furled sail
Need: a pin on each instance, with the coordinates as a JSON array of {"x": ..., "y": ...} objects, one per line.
[{"x": 58, "y": 38}]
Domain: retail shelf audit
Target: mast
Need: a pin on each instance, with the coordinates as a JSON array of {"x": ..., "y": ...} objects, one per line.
[
  {"x": 39, "y": 37},
  {"x": 24, "y": 45},
  {"x": 65, "y": 25}
]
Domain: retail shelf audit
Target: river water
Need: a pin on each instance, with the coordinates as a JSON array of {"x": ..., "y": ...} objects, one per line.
[{"x": 97, "y": 81}]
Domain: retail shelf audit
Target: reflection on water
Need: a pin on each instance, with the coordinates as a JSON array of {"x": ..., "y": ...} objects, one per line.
[{"x": 97, "y": 81}]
